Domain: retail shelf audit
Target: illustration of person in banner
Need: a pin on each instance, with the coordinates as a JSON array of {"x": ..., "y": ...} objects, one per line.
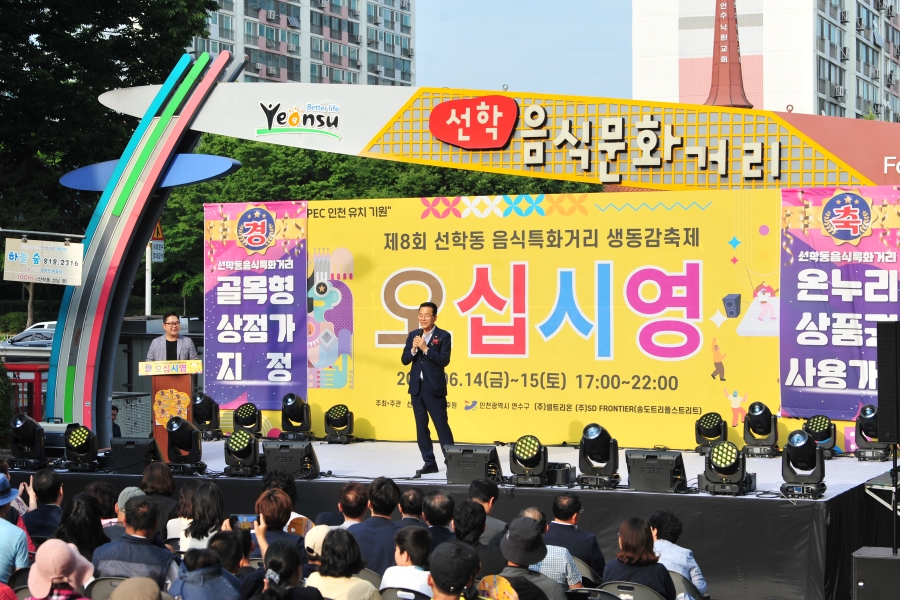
[
  {"x": 737, "y": 411},
  {"x": 764, "y": 292},
  {"x": 718, "y": 361}
]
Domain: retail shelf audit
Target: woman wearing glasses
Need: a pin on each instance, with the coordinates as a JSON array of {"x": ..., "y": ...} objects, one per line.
[{"x": 172, "y": 345}]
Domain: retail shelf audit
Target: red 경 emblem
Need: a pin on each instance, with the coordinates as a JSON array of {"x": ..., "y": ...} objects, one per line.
[
  {"x": 482, "y": 123},
  {"x": 435, "y": 341}
]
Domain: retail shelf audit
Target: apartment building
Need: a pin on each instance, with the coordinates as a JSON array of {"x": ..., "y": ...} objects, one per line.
[
  {"x": 317, "y": 41},
  {"x": 830, "y": 57}
]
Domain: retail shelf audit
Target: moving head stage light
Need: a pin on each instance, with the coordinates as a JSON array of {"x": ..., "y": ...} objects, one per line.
[
  {"x": 709, "y": 430},
  {"x": 528, "y": 462},
  {"x": 598, "y": 459},
  {"x": 27, "y": 445},
  {"x": 726, "y": 472},
  {"x": 339, "y": 425},
  {"x": 248, "y": 418},
  {"x": 822, "y": 430},
  {"x": 760, "y": 421},
  {"x": 867, "y": 445},
  {"x": 803, "y": 453},
  {"x": 81, "y": 449},
  {"x": 206, "y": 417},
  {"x": 242, "y": 454},
  {"x": 185, "y": 447},
  {"x": 296, "y": 419}
]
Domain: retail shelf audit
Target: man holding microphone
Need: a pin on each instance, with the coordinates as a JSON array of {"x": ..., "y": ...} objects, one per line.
[{"x": 428, "y": 350}]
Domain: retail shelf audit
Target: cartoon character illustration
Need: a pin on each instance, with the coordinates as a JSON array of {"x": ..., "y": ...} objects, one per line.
[
  {"x": 763, "y": 292},
  {"x": 718, "y": 361},
  {"x": 737, "y": 411}
]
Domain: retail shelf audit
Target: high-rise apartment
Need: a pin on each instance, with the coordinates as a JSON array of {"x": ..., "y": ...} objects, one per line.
[
  {"x": 831, "y": 57},
  {"x": 317, "y": 41}
]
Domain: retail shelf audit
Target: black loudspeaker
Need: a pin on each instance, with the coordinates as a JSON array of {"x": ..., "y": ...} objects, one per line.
[
  {"x": 732, "y": 303},
  {"x": 465, "y": 464},
  {"x": 876, "y": 574},
  {"x": 888, "y": 384},
  {"x": 297, "y": 458},
  {"x": 655, "y": 471},
  {"x": 132, "y": 455}
]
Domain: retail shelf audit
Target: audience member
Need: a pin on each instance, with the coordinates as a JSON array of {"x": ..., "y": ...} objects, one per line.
[
  {"x": 558, "y": 564},
  {"x": 282, "y": 573},
  {"x": 411, "y": 545},
  {"x": 341, "y": 560},
  {"x": 209, "y": 513},
  {"x": 313, "y": 541},
  {"x": 275, "y": 506},
  {"x": 411, "y": 508},
  {"x": 159, "y": 485},
  {"x": 329, "y": 519},
  {"x": 18, "y": 507},
  {"x": 114, "y": 532},
  {"x": 81, "y": 525},
  {"x": 7, "y": 593},
  {"x": 522, "y": 546},
  {"x": 106, "y": 496},
  {"x": 136, "y": 588},
  {"x": 284, "y": 481},
  {"x": 666, "y": 529},
  {"x": 438, "y": 509},
  {"x": 58, "y": 571},
  {"x": 468, "y": 526},
  {"x": 485, "y": 492},
  {"x": 352, "y": 502},
  {"x": 201, "y": 577},
  {"x": 455, "y": 566},
  {"x": 564, "y": 532},
  {"x": 636, "y": 561},
  {"x": 375, "y": 535},
  {"x": 43, "y": 520},
  {"x": 183, "y": 513},
  {"x": 13, "y": 545},
  {"x": 229, "y": 548},
  {"x": 134, "y": 554}
]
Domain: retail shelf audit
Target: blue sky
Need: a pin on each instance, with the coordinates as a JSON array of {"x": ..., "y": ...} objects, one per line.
[{"x": 564, "y": 47}]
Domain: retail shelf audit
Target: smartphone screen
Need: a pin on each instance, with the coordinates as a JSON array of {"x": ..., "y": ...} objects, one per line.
[{"x": 242, "y": 521}]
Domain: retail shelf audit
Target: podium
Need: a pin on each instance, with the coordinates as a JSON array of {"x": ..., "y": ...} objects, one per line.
[{"x": 171, "y": 397}]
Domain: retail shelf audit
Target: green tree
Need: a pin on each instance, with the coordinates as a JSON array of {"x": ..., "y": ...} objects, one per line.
[
  {"x": 58, "y": 57},
  {"x": 276, "y": 172}
]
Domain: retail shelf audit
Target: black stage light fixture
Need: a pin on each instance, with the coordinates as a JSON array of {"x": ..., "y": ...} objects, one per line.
[
  {"x": 655, "y": 471},
  {"x": 206, "y": 417},
  {"x": 297, "y": 458},
  {"x": 296, "y": 419},
  {"x": 131, "y": 455},
  {"x": 339, "y": 425},
  {"x": 185, "y": 449},
  {"x": 726, "y": 472},
  {"x": 27, "y": 445},
  {"x": 598, "y": 459},
  {"x": 708, "y": 430},
  {"x": 242, "y": 454},
  {"x": 822, "y": 430},
  {"x": 81, "y": 449},
  {"x": 867, "y": 445},
  {"x": 762, "y": 423},
  {"x": 528, "y": 462},
  {"x": 466, "y": 463},
  {"x": 803, "y": 453},
  {"x": 248, "y": 418}
]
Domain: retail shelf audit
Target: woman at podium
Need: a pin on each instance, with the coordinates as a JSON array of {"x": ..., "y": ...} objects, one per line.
[{"x": 172, "y": 345}]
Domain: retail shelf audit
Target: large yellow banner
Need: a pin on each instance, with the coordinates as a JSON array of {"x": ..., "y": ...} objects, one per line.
[{"x": 638, "y": 311}]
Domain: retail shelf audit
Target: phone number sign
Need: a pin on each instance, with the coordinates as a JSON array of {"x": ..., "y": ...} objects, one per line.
[{"x": 43, "y": 262}]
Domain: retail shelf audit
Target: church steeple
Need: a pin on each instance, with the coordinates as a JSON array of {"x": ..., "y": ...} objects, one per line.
[{"x": 727, "y": 85}]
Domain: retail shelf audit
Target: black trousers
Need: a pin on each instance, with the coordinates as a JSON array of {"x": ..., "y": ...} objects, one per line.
[{"x": 424, "y": 405}]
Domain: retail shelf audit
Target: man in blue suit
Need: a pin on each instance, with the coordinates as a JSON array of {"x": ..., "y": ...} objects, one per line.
[
  {"x": 428, "y": 350},
  {"x": 564, "y": 532},
  {"x": 376, "y": 534}
]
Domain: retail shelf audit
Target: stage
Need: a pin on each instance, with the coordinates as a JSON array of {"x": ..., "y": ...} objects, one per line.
[{"x": 755, "y": 546}]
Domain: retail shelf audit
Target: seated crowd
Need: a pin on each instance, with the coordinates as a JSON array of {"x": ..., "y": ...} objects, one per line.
[{"x": 188, "y": 546}]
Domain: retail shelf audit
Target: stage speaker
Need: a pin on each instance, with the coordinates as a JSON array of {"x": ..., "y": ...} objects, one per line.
[
  {"x": 655, "y": 471},
  {"x": 132, "y": 455},
  {"x": 297, "y": 458},
  {"x": 732, "y": 303},
  {"x": 876, "y": 574},
  {"x": 466, "y": 463},
  {"x": 889, "y": 382}
]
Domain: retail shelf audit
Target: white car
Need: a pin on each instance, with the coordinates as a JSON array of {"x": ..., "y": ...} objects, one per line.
[{"x": 43, "y": 325}]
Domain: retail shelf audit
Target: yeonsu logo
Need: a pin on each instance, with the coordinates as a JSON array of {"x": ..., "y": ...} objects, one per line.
[{"x": 316, "y": 119}]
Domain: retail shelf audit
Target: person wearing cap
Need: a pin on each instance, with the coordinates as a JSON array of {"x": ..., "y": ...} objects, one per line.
[
  {"x": 114, "y": 532},
  {"x": 138, "y": 588},
  {"x": 13, "y": 545},
  {"x": 411, "y": 546},
  {"x": 58, "y": 570},
  {"x": 341, "y": 561},
  {"x": 454, "y": 567},
  {"x": 313, "y": 540},
  {"x": 376, "y": 534},
  {"x": 522, "y": 546}
]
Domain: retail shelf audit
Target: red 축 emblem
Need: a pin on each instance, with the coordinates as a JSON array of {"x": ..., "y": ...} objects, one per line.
[{"x": 482, "y": 123}]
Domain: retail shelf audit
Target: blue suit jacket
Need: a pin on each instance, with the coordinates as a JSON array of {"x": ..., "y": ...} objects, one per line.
[
  {"x": 580, "y": 544},
  {"x": 43, "y": 521},
  {"x": 376, "y": 542},
  {"x": 430, "y": 365}
]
